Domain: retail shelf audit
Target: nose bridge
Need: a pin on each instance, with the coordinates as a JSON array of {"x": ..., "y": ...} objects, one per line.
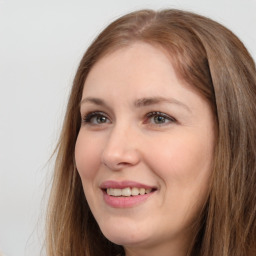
[{"x": 121, "y": 148}]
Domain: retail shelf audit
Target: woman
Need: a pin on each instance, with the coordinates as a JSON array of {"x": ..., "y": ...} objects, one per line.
[{"x": 157, "y": 151}]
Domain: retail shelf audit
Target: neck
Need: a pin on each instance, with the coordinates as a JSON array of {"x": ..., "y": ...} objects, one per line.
[{"x": 168, "y": 249}]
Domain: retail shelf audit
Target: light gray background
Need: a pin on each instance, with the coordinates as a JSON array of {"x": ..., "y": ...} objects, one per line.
[{"x": 41, "y": 43}]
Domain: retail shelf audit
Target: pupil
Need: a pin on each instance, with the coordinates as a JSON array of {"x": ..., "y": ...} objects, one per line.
[
  {"x": 101, "y": 119},
  {"x": 159, "y": 119}
]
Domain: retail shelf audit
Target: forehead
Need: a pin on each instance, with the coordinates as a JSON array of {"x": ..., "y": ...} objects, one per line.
[
  {"x": 140, "y": 64},
  {"x": 138, "y": 72}
]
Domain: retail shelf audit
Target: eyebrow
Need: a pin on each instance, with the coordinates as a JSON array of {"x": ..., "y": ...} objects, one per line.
[
  {"x": 143, "y": 102},
  {"x": 95, "y": 101},
  {"x": 156, "y": 100}
]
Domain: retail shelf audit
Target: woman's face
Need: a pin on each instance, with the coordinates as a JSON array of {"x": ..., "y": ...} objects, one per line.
[{"x": 144, "y": 150}]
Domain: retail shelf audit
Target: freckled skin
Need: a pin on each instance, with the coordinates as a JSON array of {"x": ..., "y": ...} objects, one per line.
[{"x": 174, "y": 156}]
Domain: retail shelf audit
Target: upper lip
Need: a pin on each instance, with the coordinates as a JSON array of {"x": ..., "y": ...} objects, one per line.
[{"x": 124, "y": 184}]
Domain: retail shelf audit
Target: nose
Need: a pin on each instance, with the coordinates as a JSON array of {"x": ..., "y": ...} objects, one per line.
[{"x": 121, "y": 149}]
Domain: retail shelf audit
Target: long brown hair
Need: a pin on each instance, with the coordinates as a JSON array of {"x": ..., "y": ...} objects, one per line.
[{"x": 210, "y": 57}]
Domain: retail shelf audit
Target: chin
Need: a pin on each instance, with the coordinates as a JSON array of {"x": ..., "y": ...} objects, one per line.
[{"x": 124, "y": 235}]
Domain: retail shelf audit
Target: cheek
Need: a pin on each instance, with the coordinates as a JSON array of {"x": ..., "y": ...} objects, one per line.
[
  {"x": 184, "y": 169},
  {"x": 87, "y": 156},
  {"x": 184, "y": 164},
  {"x": 185, "y": 155}
]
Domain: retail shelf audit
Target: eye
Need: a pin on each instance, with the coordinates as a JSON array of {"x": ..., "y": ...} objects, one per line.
[
  {"x": 159, "y": 118},
  {"x": 96, "y": 118}
]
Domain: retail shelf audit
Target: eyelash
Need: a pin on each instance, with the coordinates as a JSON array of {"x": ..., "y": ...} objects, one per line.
[
  {"x": 87, "y": 119},
  {"x": 155, "y": 114}
]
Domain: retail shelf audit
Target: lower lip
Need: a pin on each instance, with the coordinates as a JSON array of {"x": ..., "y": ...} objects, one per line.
[{"x": 125, "y": 202}]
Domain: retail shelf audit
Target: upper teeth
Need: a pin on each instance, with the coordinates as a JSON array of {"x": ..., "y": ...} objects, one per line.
[{"x": 128, "y": 191}]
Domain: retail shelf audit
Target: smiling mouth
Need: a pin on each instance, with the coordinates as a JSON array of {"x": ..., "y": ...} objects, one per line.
[{"x": 128, "y": 192}]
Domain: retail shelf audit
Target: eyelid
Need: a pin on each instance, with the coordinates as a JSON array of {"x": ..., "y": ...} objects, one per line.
[
  {"x": 88, "y": 116},
  {"x": 158, "y": 113}
]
